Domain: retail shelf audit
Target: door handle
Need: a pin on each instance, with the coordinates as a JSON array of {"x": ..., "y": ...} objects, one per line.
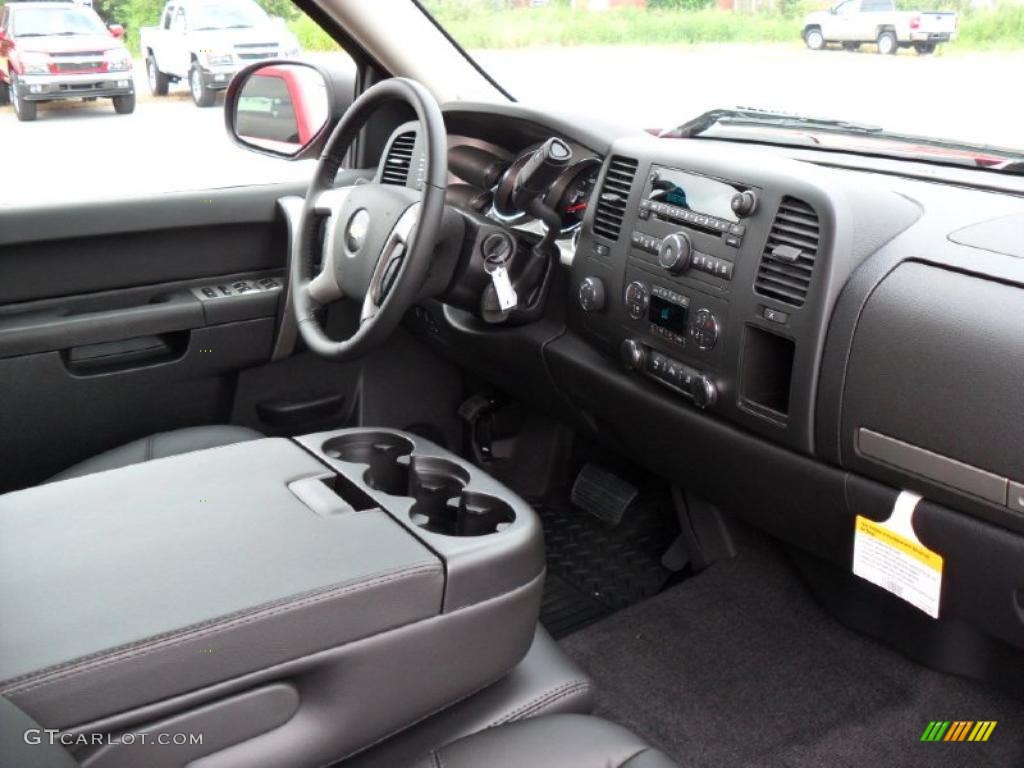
[
  {"x": 110, "y": 356},
  {"x": 289, "y": 413}
]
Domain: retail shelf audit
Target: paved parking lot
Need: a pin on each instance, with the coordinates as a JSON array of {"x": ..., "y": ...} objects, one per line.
[
  {"x": 81, "y": 150},
  {"x": 973, "y": 97}
]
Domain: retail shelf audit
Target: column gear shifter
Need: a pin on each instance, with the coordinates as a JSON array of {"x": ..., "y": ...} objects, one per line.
[{"x": 549, "y": 160}]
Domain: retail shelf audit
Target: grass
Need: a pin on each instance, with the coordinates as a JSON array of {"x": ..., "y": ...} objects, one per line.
[
  {"x": 476, "y": 27},
  {"x": 481, "y": 27},
  {"x": 311, "y": 37},
  {"x": 552, "y": 26}
]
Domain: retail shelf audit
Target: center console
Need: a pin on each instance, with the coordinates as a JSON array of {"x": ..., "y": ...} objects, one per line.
[
  {"x": 710, "y": 274},
  {"x": 293, "y": 601}
]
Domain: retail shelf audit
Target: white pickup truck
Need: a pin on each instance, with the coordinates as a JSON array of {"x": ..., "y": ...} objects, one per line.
[
  {"x": 853, "y": 22},
  {"x": 207, "y": 41}
]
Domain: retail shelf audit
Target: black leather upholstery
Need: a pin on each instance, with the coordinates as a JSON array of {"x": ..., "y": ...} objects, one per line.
[
  {"x": 545, "y": 682},
  {"x": 24, "y": 743},
  {"x": 552, "y": 741},
  {"x": 159, "y": 446}
]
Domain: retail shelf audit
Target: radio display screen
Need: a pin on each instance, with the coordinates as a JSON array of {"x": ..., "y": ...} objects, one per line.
[
  {"x": 699, "y": 194},
  {"x": 667, "y": 315}
]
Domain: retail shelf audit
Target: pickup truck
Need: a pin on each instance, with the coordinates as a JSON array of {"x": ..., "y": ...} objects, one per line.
[
  {"x": 53, "y": 51},
  {"x": 207, "y": 41},
  {"x": 853, "y": 22}
]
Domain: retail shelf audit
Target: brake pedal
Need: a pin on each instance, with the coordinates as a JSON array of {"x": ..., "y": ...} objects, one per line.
[{"x": 603, "y": 494}]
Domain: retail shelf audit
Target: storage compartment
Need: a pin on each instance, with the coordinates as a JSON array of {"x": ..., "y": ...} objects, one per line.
[
  {"x": 488, "y": 537},
  {"x": 766, "y": 371},
  {"x": 301, "y": 574},
  {"x": 932, "y": 398}
]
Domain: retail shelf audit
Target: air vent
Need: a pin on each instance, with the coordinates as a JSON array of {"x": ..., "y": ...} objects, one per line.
[
  {"x": 399, "y": 160},
  {"x": 614, "y": 194},
  {"x": 788, "y": 258}
]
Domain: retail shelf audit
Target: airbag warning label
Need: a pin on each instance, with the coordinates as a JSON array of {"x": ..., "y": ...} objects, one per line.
[{"x": 889, "y": 555}]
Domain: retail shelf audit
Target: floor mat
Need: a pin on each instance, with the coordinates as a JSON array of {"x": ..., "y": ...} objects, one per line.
[
  {"x": 738, "y": 666},
  {"x": 566, "y": 609},
  {"x": 595, "y": 568}
]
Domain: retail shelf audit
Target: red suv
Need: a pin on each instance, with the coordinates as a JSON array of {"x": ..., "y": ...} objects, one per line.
[{"x": 61, "y": 50}]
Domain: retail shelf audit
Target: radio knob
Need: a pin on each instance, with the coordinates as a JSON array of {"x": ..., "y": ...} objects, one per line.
[
  {"x": 674, "y": 252},
  {"x": 704, "y": 391},
  {"x": 591, "y": 294},
  {"x": 743, "y": 204},
  {"x": 633, "y": 355}
]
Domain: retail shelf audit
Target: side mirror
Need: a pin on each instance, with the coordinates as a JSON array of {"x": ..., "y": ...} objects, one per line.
[
  {"x": 285, "y": 109},
  {"x": 117, "y": 30}
]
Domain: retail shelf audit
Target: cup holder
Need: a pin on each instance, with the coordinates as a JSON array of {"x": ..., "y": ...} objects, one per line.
[
  {"x": 441, "y": 503},
  {"x": 437, "y": 487},
  {"x": 384, "y": 454}
]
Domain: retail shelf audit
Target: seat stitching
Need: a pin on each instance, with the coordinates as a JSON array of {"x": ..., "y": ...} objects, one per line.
[
  {"x": 148, "y": 453},
  {"x": 543, "y": 701},
  {"x": 25, "y": 683},
  {"x": 625, "y": 763}
]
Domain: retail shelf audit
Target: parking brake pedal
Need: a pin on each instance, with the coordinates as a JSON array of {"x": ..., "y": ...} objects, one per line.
[{"x": 603, "y": 494}]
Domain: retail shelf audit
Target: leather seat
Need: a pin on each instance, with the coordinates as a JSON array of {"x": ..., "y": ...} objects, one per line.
[
  {"x": 160, "y": 446},
  {"x": 545, "y": 682},
  {"x": 550, "y": 741}
]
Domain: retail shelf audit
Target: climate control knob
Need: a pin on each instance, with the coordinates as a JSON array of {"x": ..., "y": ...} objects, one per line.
[
  {"x": 674, "y": 252},
  {"x": 704, "y": 329},
  {"x": 637, "y": 299},
  {"x": 704, "y": 391},
  {"x": 633, "y": 355},
  {"x": 591, "y": 294}
]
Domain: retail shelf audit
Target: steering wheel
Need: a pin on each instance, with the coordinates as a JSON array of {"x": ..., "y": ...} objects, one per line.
[{"x": 379, "y": 237}]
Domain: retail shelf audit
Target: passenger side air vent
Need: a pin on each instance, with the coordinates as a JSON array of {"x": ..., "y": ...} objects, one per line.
[
  {"x": 399, "y": 160},
  {"x": 614, "y": 194},
  {"x": 788, "y": 258}
]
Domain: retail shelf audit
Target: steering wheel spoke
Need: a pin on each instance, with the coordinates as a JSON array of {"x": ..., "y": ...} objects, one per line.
[
  {"x": 324, "y": 288},
  {"x": 378, "y": 239},
  {"x": 390, "y": 263}
]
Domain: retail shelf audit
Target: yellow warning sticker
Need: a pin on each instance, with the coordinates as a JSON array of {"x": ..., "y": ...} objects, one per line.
[{"x": 889, "y": 555}]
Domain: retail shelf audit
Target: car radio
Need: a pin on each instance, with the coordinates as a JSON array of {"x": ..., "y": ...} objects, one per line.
[
  {"x": 686, "y": 237},
  {"x": 698, "y": 202}
]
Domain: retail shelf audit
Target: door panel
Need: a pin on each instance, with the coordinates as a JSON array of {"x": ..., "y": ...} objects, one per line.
[
  {"x": 53, "y": 417},
  {"x": 69, "y": 250},
  {"x": 105, "y": 334}
]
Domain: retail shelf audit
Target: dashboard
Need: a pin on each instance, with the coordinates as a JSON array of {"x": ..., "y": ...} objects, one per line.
[{"x": 796, "y": 336}]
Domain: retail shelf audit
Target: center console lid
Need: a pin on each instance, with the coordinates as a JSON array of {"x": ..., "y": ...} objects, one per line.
[{"x": 163, "y": 587}]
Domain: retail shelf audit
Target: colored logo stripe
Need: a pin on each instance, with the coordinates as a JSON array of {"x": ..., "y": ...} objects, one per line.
[
  {"x": 958, "y": 730},
  {"x": 982, "y": 730}
]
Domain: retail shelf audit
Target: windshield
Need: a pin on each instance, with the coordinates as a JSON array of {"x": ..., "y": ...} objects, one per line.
[
  {"x": 40, "y": 22},
  {"x": 227, "y": 16},
  {"x": 930, "y": 79}
]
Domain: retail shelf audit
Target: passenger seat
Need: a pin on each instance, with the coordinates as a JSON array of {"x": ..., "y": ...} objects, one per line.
[
  {"x": 159, "y": 446},
  {"x": 550, "y": 741}
]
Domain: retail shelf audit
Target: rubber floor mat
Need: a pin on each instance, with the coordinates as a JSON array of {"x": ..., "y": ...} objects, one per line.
[
  {"x": 565, "y": 609},
  {"x": 595, "y": 568}
]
